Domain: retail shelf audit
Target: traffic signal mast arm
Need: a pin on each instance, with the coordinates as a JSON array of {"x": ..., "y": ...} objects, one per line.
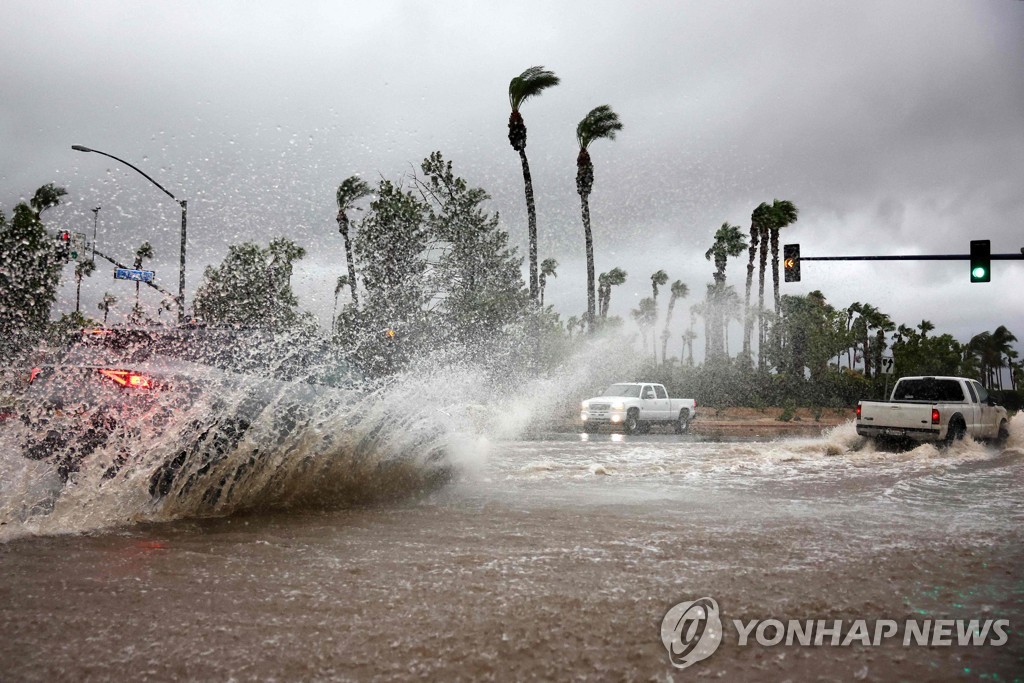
[{"x": 914, "y": 257}]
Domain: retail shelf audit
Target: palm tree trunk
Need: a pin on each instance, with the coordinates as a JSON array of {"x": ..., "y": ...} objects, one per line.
[
  {"x": 334, "y": 313},
  {"x": 762, "y": 323},
  {"x": 349, "y": 260},
  {"x": 664, "y": 337},
  {"x": 776, "y": 342},
  {"x": 775, "y": 272},
  {"x": 589, "y": 242},
  {"x": 654, "y": 324},
  {"x": 748, "y": 322},
  {"x": 531, "y": 220}
]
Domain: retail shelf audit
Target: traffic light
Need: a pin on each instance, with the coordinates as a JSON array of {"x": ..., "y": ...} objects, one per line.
[
  {"x": 981, "y": 261},
  {"x": 791, "y": 262},
  {"x": 64, "y": 244},
  {"x": 77, "y": 246}
]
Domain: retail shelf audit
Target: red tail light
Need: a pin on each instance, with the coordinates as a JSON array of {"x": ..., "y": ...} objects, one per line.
[
  {"x": 858, "y": 411},
  {"x": 127, "y": 378},
  {"x": 935, "y": 416}
]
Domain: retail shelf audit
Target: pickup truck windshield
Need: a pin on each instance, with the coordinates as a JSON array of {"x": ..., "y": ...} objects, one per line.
[
  {"x": 929, "y": 390},
  {"x": 626, "y": 390}
]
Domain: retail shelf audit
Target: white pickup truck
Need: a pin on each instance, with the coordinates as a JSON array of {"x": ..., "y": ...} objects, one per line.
[
  {"x": 933, "y": 409},
  {"x": 636, "y": 406}
]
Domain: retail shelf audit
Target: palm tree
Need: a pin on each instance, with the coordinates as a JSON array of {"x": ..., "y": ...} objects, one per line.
[
  {"x": 729, "y": 309},
  {"x": 571, "y": 324},
  {"x": 688, "y": 337},
  {"x": 145, "y": 251},
  {"x": 340, "y": 285},
  {"x": 351, "y": 190},
  {"x": 531, "y": 82},
  {"x": 46, "y": 197},
  {"x": 926, "y": 326},
  {"x": 679, "y": 290},
  {"x": 82, "y": 269},
  {"x": 600, "y": 123},
  {"x": 851, "y": 351},
  {"x": 105, "y": 304},
  {"x": 728, "y": 242},
  {"x": 658, "y": 279},
  {"x": 613, "y": 278},
  {"x": 757, "y": 219},
  {"x": 547, "y": 269},
  {"x": 1001, "y": 343},
  {"x": 645, "y": 315}
]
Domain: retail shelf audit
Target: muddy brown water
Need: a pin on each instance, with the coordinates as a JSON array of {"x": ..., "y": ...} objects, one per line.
[{"x": 548, "y": 559}]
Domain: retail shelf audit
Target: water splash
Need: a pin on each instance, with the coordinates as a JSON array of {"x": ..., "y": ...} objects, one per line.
[{"x": 221, "y": 455}]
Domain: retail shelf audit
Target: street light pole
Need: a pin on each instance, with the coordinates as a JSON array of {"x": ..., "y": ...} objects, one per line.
[
  {"x": 95, "y": 222},
  {"x": 184, "y": 211}
]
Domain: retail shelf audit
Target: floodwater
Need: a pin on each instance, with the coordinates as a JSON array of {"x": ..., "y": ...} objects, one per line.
[{"x": 553, "y": 558}]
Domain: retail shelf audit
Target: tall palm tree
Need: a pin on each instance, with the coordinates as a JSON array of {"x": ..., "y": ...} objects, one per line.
[
  {"x": 531, "y": 82},
  {"x": 547, "y": 269},
  {"x": 679, "y": 290},
  {"x": 105, "y": 304},
  {"x": 728, "y": 242},
  {"x": 757, "y": 219},
  {"x": 145, "y": 251},
  {"x": 613, "y": 278},
  {"x": 926, "y": 326},
  {"x": 600, "y": 122},
  {"x": 351, "y": 190},
  {"x": 82, "y": 269},
  {"x": 658, "y": 279}
]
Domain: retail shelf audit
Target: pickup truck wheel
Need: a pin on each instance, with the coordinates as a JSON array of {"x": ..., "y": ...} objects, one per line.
[
  {"x": 683, "y": 422},
  {"x": 1004, "y": 433},
  {"x": 956, "y": 431},
  {"x": 632, "y": 422}
]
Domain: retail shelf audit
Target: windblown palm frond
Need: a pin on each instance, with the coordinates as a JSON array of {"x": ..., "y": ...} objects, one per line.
[
  {"x": 351, "y": 190},
  {"x": 529, "y": 83},
  {"x": 601, "y": 122}
]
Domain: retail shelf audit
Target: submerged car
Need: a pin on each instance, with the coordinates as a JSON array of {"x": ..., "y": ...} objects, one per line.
[{"x": 115, "y": 391}]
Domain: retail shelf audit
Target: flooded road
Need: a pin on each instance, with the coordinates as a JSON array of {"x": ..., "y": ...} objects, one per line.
[{"x": 555, "y": 558}]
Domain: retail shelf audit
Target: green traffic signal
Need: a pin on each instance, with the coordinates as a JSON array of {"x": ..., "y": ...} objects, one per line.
[{"x": 981, "y": 263}]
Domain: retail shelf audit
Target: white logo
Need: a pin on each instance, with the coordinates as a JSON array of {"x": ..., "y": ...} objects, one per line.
[{"x": 691, "y": 631}]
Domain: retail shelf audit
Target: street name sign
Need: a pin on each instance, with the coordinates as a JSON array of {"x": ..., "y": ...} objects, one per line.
[{"x": 134, "y": 275}]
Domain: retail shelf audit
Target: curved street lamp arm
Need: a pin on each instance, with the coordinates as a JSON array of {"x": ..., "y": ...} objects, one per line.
[{"x": 81, "y": 148}]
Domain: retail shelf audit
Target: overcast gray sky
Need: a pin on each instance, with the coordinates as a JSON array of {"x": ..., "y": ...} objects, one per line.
[{"x": 894, "y": 127}]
